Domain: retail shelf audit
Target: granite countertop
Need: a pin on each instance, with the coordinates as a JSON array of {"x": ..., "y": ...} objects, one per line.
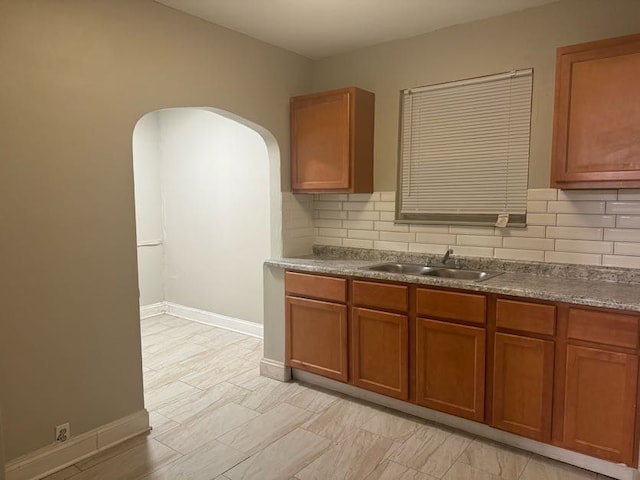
[{"x": 582, "y": 291}]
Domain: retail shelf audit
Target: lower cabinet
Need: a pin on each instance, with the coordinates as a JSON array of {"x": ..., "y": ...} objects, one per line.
[
  {"x": 599, "y": 404},
  {"x": 523, "y": 385},
  {"x": 316, "y": 337},
  {"x": 450, "y": 368},
  {"x": 558, "y": 373},
  {"x": 380, "y": 354},
  {"x": 523, "y": 368},
  {"x": 598, "y": 385}
]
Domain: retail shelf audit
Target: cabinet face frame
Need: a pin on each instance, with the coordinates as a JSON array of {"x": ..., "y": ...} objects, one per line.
[{"x": 613, "y": 174}]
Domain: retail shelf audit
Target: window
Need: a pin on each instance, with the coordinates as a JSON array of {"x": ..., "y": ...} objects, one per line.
[{"x": 464, "y": 151}]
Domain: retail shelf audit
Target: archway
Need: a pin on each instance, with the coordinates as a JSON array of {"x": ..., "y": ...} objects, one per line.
[{"x": 208, "y": 213}]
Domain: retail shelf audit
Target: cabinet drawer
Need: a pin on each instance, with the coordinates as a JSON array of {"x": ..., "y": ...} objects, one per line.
[
  {"x": 316, "y": 286},
  {"x": 380, "y": 295},
  {"x": 605, "y": 327},
  {"x": 451, "y": 305},
  {"x": 526, "y": 317}
]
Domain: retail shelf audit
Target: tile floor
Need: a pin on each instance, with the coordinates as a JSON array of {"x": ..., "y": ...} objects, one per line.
[{"x": 215, "y": 418}]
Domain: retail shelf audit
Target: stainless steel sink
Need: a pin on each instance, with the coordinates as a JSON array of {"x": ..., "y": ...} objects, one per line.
[
  {"x": 440, "y": 272},
  {"x": 461, "y": 274},
  {"x": 402, "y": 268}
]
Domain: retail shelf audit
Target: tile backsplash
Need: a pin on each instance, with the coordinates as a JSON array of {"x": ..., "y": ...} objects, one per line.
[
  {"x": 297, "y": 224},
  {"x": 591, "y": 227}
]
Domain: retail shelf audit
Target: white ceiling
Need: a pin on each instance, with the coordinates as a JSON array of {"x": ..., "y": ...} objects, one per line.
[{"x": 321, "y": 28}]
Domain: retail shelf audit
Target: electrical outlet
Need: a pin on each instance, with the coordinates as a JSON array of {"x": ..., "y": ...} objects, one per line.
[{"x": 63, "y": 432}]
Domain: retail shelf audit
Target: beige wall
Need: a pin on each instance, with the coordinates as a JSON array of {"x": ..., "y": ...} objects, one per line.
[
  {"x": 76, "y": 77},
  {"x": 521, "y": 40}
]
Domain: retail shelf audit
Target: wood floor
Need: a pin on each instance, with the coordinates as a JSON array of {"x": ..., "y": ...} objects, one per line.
[{"x": 215, "y": 418}]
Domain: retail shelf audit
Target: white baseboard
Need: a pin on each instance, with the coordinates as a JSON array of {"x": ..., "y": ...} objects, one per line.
[
  {"x": 152, "y": 310},
  {"x": 55, "y": 457},
  {"x": 274, "y": 369},
  {"x": 229, "y": 323},
  {"x": 202, "y": 316}
]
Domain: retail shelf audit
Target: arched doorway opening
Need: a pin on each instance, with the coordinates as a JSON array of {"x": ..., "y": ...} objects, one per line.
[{"x": 208, "y": 213}]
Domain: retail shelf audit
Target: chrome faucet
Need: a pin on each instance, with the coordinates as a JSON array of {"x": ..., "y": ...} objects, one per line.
[{"x": 447, "y": 255}]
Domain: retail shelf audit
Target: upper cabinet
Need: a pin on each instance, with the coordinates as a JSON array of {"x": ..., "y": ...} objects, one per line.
[
  {"x": 332, "y": 142},
  {"x": 596, "y": 141}
]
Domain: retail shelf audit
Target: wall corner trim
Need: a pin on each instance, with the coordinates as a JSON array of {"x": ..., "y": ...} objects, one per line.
[
  {"x": 275, "y": 370},
  {"x": 55, "y": 457},
  {"x": 152, "y": 310}
]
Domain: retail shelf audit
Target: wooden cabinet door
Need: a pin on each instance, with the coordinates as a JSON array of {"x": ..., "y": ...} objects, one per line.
[
  {"x": 316, "y": 337},
  {"x": 600, "y": 403},
  {"x": 380, "y": 354},
  {"x": 450, "y": 368},
  {"x": 523, "y": 385},
  {"x": 596, "y": 142},
  {"x": 320, "y": 142},
  {"x": 332, "y": 141}
]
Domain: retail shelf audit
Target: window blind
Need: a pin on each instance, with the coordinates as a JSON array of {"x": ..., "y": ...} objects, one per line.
[{"x": 464, "y": 150}]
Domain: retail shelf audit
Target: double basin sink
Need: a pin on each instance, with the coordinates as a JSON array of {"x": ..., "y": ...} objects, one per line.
[{"x": 428, "y": 271}]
